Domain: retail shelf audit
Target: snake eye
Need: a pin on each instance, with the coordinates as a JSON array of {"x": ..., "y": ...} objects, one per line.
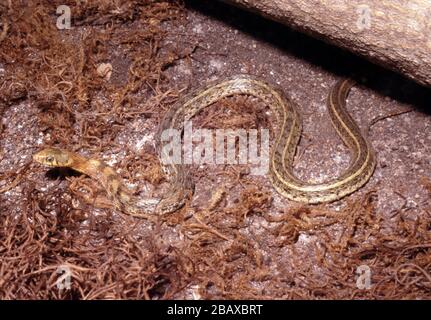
[{"x": 50, "y": 159}]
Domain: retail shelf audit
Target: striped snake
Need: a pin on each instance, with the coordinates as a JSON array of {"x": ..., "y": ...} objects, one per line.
[{"x": 288, "y": 133}]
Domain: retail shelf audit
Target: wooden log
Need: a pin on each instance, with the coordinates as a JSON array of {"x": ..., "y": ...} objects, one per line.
[{"x": 392, "y": 33}]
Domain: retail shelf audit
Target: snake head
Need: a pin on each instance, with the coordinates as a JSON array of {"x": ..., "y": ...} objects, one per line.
[{"x": 52, "y": 157}]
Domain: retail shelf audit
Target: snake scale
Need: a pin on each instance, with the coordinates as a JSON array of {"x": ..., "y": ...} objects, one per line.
[{"x": 289, "y": 128}]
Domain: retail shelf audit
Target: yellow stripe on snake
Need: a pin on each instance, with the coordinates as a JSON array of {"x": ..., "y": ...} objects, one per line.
[{"x": 288, "y": 133}]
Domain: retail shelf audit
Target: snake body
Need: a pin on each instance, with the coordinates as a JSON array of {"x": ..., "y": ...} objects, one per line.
[{"x": 288, "y": 133}]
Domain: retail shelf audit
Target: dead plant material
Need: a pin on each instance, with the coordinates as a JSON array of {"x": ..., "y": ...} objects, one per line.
[{"x": 5, "y": 28}]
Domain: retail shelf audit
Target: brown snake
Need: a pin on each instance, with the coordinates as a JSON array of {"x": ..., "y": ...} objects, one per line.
[{"x": 361, "y": 167}]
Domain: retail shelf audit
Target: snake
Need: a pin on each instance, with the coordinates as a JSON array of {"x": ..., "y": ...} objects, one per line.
[{"x": 281, "y": 169}]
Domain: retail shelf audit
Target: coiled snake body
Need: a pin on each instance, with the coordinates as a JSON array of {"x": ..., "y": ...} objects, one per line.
[{"x": 289, "y": 129}]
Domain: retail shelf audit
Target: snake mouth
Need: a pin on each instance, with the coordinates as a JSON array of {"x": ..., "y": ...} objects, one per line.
[
  {"x": 45, "y": 160},
  {"x": 38, "y": 157}
]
